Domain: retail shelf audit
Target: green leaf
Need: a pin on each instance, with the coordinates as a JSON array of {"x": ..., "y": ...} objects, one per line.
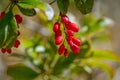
[
  {"x": 29, "y": 4},
  {"x": 27, "y": 43},
  {"x": 94, "y": 63},
  {"x": 85, "y": 6},
  {"x": 21, "y": 72},
  {"x": 27, "y": 12},
  {"x": 8, "y": 31},
  {"x": 104, "y": 55},
  {"x": 63, "y": 5}
]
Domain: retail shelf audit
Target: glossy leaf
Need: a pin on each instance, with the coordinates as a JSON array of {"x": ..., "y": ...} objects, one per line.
[
  {"x": 47, "y": 10},
  {"x": 104, "y": 55},
  {"x": 27, "y": 12},
  {"x": 85, "y": 6},
  {"x": 8, "y": 31},
  {"x": 21, "y": 72},
  {"x": 29, "y": 4},
  {"x": 63, "y": 5}
]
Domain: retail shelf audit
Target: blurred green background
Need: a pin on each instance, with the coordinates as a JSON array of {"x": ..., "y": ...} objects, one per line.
[{"x": 37, "y": 58}]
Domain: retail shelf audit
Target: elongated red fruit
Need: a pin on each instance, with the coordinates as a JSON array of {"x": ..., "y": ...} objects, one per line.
[
  {"x": 64, "y": 19},
  {"x": 70, "y": 33},
  {"x": 61, "y": 49},
  {"x": 76, "y": 41},
  {"x": 66, "y": 53},
  {"x": 56, "y": 27},
  {"x": 75, "y": 49},
  {"x": 72, "y": 26},
  {"x": 58, "y": 40},
  {"x": 18, "y": 18}
]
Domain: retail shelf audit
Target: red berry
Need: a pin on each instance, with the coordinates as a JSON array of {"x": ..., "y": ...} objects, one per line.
[
  {"x": 3, "y": 50},
  {"x": 58, "y": 40},
  {"x": 59, "y": 33},
  {"x": 75, "y": 48},
  {"x": 56, "y": 27},
  {"x": 69, "y": 40},
  {"x": 18, "y": 19},
  {"x": 64, "y": 19},
  {"x": 2, "y": 14},
  {"x": 17, "y": 43},
  {"x": 76, "y": 41},
  {"x": 61, "y": 49},
  {"x": 66, "y": 53},
  {"x": 72, "y": 26},
  {"x": 70, "y": 32},
  {"x": 18, "y": 33},
  {"x": 9, "y": 50}
]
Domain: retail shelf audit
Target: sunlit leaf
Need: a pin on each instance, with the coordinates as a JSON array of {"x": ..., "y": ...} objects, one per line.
[
  {"x": 29, "y": 4},
  {"x": 47, "y": 9},
  {"x": 27, "y": 43},
  {"x": 104, "y": 55}
]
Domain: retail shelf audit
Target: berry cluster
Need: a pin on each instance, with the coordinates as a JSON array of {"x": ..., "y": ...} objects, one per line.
[
  {"x": 69, "y": 30},
  {"x": 18, "y": 19}
]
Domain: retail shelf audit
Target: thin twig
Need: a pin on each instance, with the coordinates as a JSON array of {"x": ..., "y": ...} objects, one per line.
[{"x": 52, "y": 2}]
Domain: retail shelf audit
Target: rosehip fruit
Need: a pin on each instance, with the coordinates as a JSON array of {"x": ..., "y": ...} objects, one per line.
[
  {"x": 66, "y": 53},
  {"x": 56, "y": 27},
  {"x": 17, "y": 43},
  {"x": 76, "y": 41},
  {"x": 70, "y": 33},
  {"x": 64, "y": 19},
  {"x": 18, "y": 19},
  {"x": 9, "y": 50},
  {"x": 72, "y": 26},
  {"x": 61, "y": 49},
  {"x": 75, "y": 48},
  {"x": 3, "y": 50},
  {"x": 58, "y": 40}
]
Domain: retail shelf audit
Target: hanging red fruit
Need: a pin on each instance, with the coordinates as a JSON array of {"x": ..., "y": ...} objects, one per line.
[{"x": 18, "y": 18}]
